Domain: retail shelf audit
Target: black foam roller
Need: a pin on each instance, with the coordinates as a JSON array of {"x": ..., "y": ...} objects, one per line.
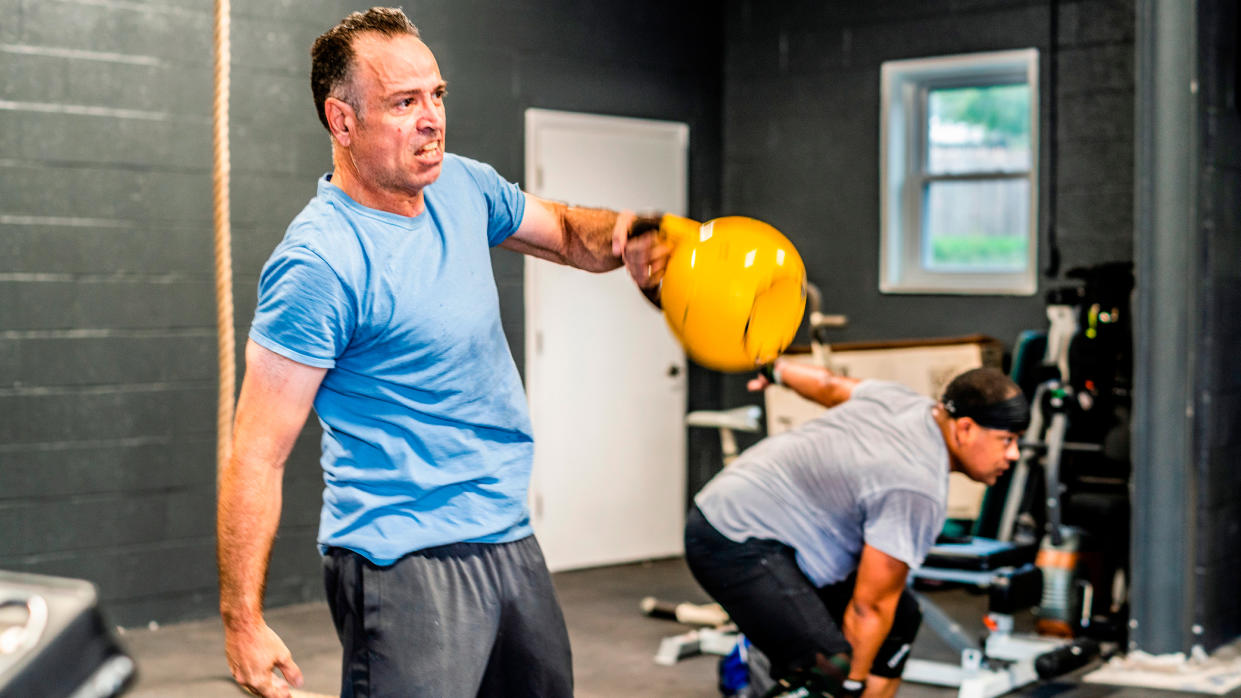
[{"x": 1062, "y": 660}]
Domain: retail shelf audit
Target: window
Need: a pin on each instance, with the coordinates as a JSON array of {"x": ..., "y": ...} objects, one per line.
[{"x": 959, "y": 174}]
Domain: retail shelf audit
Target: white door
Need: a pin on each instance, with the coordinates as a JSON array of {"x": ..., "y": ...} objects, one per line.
[{"x": 605, "y": 378}]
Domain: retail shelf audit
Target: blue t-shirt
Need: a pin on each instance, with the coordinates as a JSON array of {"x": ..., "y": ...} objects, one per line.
[{"x": 426, "y": 433}]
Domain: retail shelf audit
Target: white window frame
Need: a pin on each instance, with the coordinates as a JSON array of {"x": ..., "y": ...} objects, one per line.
[{"x": 902, "y": 148}]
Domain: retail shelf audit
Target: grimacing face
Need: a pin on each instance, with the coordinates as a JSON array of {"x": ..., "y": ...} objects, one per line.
[
  {"x": 397, "y": 138},
  {"x": 984, "y": 454}
]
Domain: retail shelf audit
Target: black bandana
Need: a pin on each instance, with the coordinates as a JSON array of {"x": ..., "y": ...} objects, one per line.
[{"x": 1012, "y": 414}]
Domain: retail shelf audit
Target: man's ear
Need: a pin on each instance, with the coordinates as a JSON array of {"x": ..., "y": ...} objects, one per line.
[
  {"x": 341, "y": 119},
  {"x": 966, "y": 429}
]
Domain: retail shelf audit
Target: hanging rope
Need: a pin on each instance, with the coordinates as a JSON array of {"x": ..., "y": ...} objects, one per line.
[{"x": 223, "y": 237}]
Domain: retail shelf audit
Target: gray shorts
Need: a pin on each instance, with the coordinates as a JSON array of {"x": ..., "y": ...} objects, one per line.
[{"x": 465, "y": 619}]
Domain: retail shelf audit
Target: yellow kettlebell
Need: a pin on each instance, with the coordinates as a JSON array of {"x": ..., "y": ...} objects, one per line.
[{"x": 734, "y": 291}]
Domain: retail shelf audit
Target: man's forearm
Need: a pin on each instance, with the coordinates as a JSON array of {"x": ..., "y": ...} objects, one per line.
[
  {"x": 865, "y": 629},
  {"x": 815, "y": 382},
  {"x": 588, "y": 237},
  {"x": 592, "y": 239},
  {"x": 248, "y": 514}
]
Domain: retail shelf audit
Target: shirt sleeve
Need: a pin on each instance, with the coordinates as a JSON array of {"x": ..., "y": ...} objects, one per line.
[
  {"x": 506, "y": 204},
  {"x": 865, "y": 388},
  {"x": 903, "y": 524},
  {"x": 304, "y": 312}
]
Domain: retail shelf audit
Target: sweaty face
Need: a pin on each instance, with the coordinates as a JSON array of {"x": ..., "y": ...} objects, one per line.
[
  {"x": 985, "y": 454},
  {"x": 397, "y": 142}
]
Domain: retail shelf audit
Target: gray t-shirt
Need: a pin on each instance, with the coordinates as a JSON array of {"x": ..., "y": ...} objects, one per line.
[{"x": 872, "y": 470}]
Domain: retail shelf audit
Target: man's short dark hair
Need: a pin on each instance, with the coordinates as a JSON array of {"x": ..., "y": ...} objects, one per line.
[
  {"x": 331, "y": 55},
  {"x": 978, "y": 388}
]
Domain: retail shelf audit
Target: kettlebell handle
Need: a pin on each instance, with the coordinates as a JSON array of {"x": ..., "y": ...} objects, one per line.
[{"x": 672, "y": 228}]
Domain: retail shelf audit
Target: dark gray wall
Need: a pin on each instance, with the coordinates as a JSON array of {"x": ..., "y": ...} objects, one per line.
[
  {"x": 107, "y": 340},
  {"x": 1216, "y": 477}
]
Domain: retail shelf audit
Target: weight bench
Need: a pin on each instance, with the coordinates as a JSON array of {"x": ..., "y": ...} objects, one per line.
[{"x": 1006, "y": 660}]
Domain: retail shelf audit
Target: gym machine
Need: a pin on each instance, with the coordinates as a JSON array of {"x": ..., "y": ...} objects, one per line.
[
  {"x": 1079, "y": 416},
  {"x": 54, "y": 643}
]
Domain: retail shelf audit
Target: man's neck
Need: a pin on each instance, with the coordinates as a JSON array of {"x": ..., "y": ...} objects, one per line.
[
  {"x": 346, "y": 178},
  {"x": 944, "y": 422}
]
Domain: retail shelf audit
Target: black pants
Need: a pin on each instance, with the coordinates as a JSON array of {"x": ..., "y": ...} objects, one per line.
[
  {"x": 780, "y": 610},
  {"x": 455, "y": 621}
]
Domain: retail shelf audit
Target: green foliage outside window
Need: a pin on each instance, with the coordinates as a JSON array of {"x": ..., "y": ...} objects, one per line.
[
  {"x": 1003, "y": 111},
  {"x": 975, "y": 250}
]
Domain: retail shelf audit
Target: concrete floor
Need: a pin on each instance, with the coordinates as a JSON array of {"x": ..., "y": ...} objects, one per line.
[{"x": 613, "y": 644}]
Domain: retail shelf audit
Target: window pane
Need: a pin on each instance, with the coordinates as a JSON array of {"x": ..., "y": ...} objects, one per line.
[
  {"x": 979, "y": 129},
  {"x": 976, "y": 226}
]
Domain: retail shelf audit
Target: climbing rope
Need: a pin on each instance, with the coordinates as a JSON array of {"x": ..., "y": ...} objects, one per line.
[{"x": 225, "y": 343}]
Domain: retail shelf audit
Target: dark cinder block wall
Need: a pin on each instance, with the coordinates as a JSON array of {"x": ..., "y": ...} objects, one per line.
[
  {"x": 1216, "y": 478},
  {"x": 107, "y": 325},
  {"x": 107, "y": 337}
]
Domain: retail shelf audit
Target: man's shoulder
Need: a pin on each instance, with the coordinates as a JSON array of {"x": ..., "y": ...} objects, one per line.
[
  {"x": 318, "y": 226},
  {"x": 460, "y": 170},
  {"x": 322, "y": 234},
  {"x": 457, "y": 163},
  {"x": 914, "y": 488}
]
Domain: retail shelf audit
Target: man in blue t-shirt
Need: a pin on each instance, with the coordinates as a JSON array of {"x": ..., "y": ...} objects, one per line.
[
  {"x": 807, "y": 538},
  {"x": 380, "y": 310}
]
